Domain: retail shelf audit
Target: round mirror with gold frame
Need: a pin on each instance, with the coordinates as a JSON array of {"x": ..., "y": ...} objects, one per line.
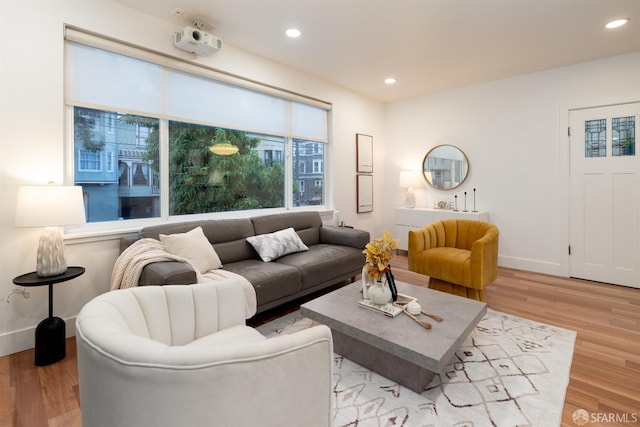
[{"x": 445, "y": 167}]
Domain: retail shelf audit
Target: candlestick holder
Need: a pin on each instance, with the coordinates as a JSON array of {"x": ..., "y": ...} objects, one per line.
[
  {"x": 474, "y": 200},
  {"x": 465, "y": 202},
  {"x": 455, "y": 203}
]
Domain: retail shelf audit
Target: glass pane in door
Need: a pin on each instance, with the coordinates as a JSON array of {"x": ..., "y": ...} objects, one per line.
[
  {"x": 623, "y": 136},
  {"x": 595, "y": 138}
]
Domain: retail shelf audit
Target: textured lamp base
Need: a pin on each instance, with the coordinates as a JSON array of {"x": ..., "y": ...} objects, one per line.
[
  {"x": 51, "y": 260},
  {"x": 50, "y": 341},
  {"x": 410, "y": 199}
]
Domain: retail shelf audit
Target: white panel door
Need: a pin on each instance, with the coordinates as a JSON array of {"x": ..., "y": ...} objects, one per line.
[{"x": 605, "y": 194}]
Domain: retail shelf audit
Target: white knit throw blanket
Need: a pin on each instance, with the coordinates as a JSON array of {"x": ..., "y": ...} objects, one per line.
[
  {"x": 128, "y": 268},
  {"x": 129, "y": 265}
]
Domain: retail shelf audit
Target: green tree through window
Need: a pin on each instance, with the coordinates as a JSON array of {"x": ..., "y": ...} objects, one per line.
[{"x": 201, "y": 181}]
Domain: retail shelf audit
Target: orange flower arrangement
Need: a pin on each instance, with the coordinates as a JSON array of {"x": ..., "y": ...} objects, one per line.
[{"x": 379, "y": 253}]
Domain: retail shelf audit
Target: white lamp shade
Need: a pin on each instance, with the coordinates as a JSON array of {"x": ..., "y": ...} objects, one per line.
[
  {"x": 49, "y": 205},
  {"x": 409, "y": 179}
]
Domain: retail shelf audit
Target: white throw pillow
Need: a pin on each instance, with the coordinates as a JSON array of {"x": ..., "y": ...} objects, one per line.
[
  {"x": 193, "y": 246},
  {"x": 274, "y": 245}
]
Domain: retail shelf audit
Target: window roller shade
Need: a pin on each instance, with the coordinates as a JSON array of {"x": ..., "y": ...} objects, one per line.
[{"x": 108, "y": 74}]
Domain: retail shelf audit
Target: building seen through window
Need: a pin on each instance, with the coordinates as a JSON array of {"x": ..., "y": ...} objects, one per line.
[
  {"x": 309, "y": 176},
  {"x": 103, "y": 139}
]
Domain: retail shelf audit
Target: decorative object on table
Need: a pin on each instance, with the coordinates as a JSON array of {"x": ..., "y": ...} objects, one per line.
[
  {"x": 435, "y": 317},
  {"x": 380, "y": 294},
  {"x": 50, "y": 345},
  {"x": 392, "y": 284},
  {"x": 389, "y": 310},
  {"x": 455, "y": 206},
  {"x": 379, "y": 253},
  {"x": 50, "y": 206},
  {"x": 465, "y": 202},
  {"x": 409, "y": 180},
  {"x": 367, "y": 281},
  {"x": 414, "y": 308},
  {"x": 422, "y": 323}
]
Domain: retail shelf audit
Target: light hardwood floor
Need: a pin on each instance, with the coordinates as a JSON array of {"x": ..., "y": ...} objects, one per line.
[{"x": 605, "y": 373}]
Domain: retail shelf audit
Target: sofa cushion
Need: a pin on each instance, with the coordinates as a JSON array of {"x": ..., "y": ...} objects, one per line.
[
  {"x": 272, "y": 246},
  {"x": 271, "y": 280},
  {"x": 154, "y": 231},
  {"x": 227, "y": 236},
  {"x": 306, "y": 224},
  {"x": 194, "y": 246},
  {"x": 323, "y": 263}
]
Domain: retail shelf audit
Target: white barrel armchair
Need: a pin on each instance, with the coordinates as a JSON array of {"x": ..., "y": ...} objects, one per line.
[{"x": 183, "y": 356}]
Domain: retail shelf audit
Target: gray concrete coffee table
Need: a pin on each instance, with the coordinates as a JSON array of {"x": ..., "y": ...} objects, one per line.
[{"x": 397, "y": 348}]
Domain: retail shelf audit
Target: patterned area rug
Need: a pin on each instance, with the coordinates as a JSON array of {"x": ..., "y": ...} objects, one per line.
[{"x": 509, "y": 372}]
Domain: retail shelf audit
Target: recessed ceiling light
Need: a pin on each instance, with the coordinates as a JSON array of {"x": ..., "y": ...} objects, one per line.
[
  {"x": 293, "y": 33},
  {"x": 390, "y": 80},
  {"x": 617, "y": 23},
  {"x": 177, "y": 11}
]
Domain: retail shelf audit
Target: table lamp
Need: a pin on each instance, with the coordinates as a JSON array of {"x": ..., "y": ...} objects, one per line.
[
  {"x": 50, "y": 206},
  {"x": 409, "y": 180}
]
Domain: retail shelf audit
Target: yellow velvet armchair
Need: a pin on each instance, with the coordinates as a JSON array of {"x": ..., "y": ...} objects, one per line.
[{"x": 460, "y": 256}]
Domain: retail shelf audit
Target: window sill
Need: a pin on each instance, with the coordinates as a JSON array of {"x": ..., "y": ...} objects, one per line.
[{"x": 115, "y": 230}]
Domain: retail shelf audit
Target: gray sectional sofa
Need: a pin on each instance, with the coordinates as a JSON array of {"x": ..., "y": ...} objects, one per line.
[{"x": 334, "y": 255}]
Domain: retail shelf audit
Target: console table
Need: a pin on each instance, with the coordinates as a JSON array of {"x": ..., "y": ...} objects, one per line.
[
  {"x": 412, "y": 218},
  {"x": 50, "y": 333}
]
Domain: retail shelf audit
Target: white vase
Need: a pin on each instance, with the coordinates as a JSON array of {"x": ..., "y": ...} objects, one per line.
[{"x": 379, "y": 293}]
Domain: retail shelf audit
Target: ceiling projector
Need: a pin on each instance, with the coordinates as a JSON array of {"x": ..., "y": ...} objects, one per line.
[{"x": 197, "y": 41}]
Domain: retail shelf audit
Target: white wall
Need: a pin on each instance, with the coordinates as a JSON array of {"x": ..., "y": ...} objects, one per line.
[
  {"x": 514, "y": 132},
  {"x": 32, "y": 128}
]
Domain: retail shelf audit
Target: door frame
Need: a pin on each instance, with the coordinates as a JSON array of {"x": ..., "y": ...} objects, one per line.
[{"x": 564, "y": 151}]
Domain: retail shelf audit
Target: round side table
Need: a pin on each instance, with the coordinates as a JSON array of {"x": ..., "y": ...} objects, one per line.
[{"x": 50, "y": 333}]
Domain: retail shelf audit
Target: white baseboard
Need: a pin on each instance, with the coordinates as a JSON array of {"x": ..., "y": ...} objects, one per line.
[
  {"x": 536, "y": 266},
  {"x": 17, "y": 341}
]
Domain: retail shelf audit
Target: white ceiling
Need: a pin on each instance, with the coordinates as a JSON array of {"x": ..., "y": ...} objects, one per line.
[{"x": 428, "y": 45}]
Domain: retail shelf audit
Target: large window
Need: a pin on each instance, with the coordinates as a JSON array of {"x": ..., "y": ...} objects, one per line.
[{"x": 226, "y": 144}]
